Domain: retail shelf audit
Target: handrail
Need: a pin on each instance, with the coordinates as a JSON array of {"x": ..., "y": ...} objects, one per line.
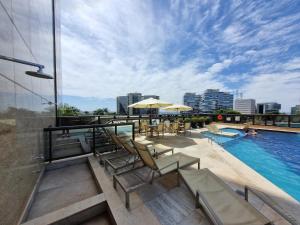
[
  {"x": 85, "y": 126},
  {"x": 50, "y": 130}
]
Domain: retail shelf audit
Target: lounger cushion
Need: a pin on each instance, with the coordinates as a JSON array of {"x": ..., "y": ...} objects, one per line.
[
  {"x": 184, "y": 160},
  {"x": 227, "y": 205}
]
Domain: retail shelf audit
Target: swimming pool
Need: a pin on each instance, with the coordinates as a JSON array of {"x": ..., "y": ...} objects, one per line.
[{"x": 275, "y": 155}]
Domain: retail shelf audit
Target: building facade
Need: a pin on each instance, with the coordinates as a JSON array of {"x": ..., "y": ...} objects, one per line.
[
  {"x": 268, "y": 108},
  {"x": 245, "y": 106},
  {"x": 295, "y": 110},
  {"x": 28, "y": 31},
  {"x": 193, "y": 100},
  {"x": 213, "y": 99},
  {"x": 122, "y": 105},
  {"x": 124, "y": 101}
]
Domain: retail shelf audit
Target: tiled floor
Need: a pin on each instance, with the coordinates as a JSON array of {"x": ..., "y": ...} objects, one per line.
[
  {"x": 171, "y": 204},
  {"x": 62, "y": 187}
]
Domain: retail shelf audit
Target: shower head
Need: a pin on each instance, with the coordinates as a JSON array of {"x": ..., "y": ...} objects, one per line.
[{"x": 39, "y": 74}]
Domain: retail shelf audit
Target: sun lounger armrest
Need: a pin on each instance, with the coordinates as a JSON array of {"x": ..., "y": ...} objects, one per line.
[
  {"x": 172, "y": 163},
  {"x": 272, "y": 204},
  {"x": 207, "y": 208}
]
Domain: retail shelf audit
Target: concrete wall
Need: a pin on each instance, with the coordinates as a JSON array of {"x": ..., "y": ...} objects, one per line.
[{"x": 25, "y": 33}]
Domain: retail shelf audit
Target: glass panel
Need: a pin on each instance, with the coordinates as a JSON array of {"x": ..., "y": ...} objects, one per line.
[
  {"x": 295, "y": 121},
  {"x": 281, "y": 121}
]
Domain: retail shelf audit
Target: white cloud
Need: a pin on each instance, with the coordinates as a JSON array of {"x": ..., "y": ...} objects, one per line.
[
  {"x": 277, "y": 87},
  {"x": 111, "y": 47}
]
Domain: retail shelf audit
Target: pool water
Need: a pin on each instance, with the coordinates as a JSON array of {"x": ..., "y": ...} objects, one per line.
[{"x": 275, "y": 155}]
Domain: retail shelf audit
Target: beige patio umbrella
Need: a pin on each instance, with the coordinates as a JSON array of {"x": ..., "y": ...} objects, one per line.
[
  {"x": 178, "y": 108},
  {"x": 149, "y": 103}
]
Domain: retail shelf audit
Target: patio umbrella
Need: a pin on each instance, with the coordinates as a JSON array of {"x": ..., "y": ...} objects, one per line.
[
  {"x": 178, "y": 108},
  {"x": 149, "y": 103}
]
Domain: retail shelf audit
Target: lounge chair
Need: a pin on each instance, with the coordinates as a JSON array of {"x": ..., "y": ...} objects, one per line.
[
  {"x": 219, "y": 202},
  {"x": 166, "y": 164},
  {"x": 127, "y": 159},
  {"x": 132, "y": 156},
  {"x": 186, "y": 127}
]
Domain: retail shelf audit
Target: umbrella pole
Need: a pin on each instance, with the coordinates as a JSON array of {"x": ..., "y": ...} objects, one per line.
[{"x": 150, "y": 120}]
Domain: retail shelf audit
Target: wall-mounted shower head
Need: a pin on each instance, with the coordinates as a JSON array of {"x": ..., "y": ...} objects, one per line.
[{"x": 39, "y": 74}]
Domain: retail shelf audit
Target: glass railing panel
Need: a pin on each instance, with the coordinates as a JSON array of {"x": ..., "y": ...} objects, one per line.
[
  {"x": 71, "y": 142},
  {"x": 259, "y": 120},
  {"x": 281, "y": 121},
  {"x": 295, "y": 121}
]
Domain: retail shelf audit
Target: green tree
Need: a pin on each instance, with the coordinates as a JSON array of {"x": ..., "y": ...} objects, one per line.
[
  {"x": 68, "y": 110},
  {"x": 101, "y": 111},
  {"x": 227, "y": 111}
]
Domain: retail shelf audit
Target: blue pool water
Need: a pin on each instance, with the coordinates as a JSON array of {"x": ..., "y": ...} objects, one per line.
[{"x": 275, "y": 155}]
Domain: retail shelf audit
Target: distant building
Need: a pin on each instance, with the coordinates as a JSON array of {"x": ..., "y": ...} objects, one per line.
[
  {"x": 213, "y": 99},
  {"x": 295, "y": 110},
  {"x": 268, "y": 108},
  {"x": 193, "y": 100},
  {"x": 245, "y": 106},
  {"x": 133, "y": 98},
  {"x": 122, "y": 105},
  {"x": 124, "y": 101}
]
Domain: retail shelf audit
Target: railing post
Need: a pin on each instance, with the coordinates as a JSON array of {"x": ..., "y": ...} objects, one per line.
[
  {"x": 50, "y": 146},
  {"x": 273, "y": 118},
  {"x": 133, "y": 130},
  {"x": 139, "y": 124},
  {"x": 289, "y": 121},
  {"x": 116, "y": 129},
  {"x": 99, "y": 121},
  {"x": 253, "y": 120},
  {"x": 265, "y": 120},
  {"x": 94, "y": 141}
]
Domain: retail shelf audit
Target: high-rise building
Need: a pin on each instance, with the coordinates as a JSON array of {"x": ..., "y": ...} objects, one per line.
[
  {"x": 124, "y": 101},
  {"x": 213, "y": 99},
  {"x": 193, "y": 100},
  {"x": 268, "y": 108},
  {"x": 29, "y": 31},
  {"x": 245, "y": 106},
  {"x": 133, "y": 98},
  {"x": 295, "y": 110},
  {"x": 122, "y": 105}
]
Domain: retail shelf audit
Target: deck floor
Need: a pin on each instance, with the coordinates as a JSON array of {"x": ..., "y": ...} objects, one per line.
[{"x": 171, "y": 204}]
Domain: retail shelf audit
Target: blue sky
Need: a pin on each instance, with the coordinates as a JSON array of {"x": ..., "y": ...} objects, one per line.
[{"x": 167, "y": 48}]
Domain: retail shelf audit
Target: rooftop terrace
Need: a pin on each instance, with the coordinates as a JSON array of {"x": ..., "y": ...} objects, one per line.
[{"x": 79, "y": 190}]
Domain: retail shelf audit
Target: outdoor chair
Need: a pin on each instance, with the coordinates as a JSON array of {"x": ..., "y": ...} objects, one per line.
[
  {"x": 116, "y": 150},
  {"x": 132, "y": 156},
  {"x": 166, "y": 164},
  {"x": 219, "y": 202},
  {"x": 186, "y": 127},
  {"x": 175, "y": 127},
  {"x": 121, "y": 161},
  {"x": 167, "y": 126},
  {"x": 160, "y": 129}
]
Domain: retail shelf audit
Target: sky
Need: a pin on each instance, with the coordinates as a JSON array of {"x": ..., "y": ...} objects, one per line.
[{"x": 167, "y": 48}]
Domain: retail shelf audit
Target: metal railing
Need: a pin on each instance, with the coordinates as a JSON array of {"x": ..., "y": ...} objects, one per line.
[
  {"x": 70, "y": 141},
  {"x": 255, "y": 119}
]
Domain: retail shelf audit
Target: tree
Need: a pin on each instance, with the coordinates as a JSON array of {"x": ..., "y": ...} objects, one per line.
[
  {"x": 227, "y": 111},
  {"x": 67, "y": 110},
  {"x": 101, "y": 111}
]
